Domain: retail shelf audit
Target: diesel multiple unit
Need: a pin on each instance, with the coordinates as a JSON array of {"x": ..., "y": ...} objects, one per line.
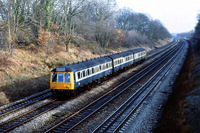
[{"x": 72, "y": 76}]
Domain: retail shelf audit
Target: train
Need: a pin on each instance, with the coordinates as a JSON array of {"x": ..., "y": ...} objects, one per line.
[{"x": 71, "y": 77}]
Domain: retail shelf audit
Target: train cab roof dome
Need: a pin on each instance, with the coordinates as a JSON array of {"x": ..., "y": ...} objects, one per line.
[
  {"x": 137, "y": 50},
  {"x": 82, "y": 65},
  {"x": 118, "y": 55}
]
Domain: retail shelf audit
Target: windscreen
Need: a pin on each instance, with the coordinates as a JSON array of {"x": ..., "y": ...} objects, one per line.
[
  {"x": 60, "y": 77},
  {"x": 67, "y": 78}
]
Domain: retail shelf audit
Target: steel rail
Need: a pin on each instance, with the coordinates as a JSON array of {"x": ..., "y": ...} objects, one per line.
[
  {"x": 154, "y": 87},
  {"x": 119, "y": 112},
  {"x": 24, "y": 103},
  {"x": 150, "y": 53},
  {"x": 88, "y": 111},
  {"x": 26, "y": 117}
]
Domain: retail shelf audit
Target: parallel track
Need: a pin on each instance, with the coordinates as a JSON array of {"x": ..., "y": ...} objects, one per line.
[
  {"x": 75, "y": 119},
  {"x": 115, "y": 121},
  {"x": 20, "y": 120},
  {"x": 29, "y": 101},
  {"x": 24, "y": 103},
  {"x": 26, "y": 117}
]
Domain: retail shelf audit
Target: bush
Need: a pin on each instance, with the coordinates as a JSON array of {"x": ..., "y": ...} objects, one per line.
[
  {"x": 48, "y": 40},
  {"x": 4, "y": 59},
  {"x": 135, "y": 39},
  {"x": 77, "y": 40}
]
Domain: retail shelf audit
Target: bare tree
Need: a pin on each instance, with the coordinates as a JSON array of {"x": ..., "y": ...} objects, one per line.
[
  {"x": 100, "y": 18},
  {"x": 157, "y": 31},
  {"x": 9, "y": 27}
]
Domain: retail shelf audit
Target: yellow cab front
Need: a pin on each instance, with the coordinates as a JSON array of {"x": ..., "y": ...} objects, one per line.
[{"x": 62, "y": 81}]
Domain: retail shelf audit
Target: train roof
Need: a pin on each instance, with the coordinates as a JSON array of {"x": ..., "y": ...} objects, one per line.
[
  {"x": 96, "y": 61},
  {"x": 82, "y": 65},
  {"x": 137, "y": 50},
  {"x": 118, "y": 55}
]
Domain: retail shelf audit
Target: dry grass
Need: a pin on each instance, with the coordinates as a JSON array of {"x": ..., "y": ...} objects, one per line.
[
  {"x": 27, "y": 71},
  {"x": 173, "y": 117}
]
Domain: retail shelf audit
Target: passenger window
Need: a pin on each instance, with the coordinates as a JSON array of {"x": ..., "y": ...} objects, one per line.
[
  {"x": 54, "y": 77},
  {"x": 92, "y": 70},
  {"x": 67, "y": 78},
  {"x": 106, "y": 65},
  {"x": 79, "y": 75},
  {"x": 99, "y": 68},
  {"x": 88, "y": 72},
  {"x": 60, "y": 77},
  {"x": 83, "y": 74}
]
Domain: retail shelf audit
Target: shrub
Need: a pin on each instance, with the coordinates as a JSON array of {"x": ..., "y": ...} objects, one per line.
[{"x": 48, "y": 40}]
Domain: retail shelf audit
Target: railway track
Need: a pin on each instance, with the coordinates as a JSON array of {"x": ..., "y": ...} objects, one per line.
[
  {"x": 27, "y": 116},
  {"x": 80, "y": 116},
  {"x": 151, "y": 55},
  {"x": 117, "y": 121},
  {"x": 6, "y": 109},
  {"x": 162, "y": 48},
  {"x": 23, "y": 103}
]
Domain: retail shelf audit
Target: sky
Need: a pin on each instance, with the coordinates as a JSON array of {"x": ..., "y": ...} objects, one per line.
[{"x": 176, "y": 15}]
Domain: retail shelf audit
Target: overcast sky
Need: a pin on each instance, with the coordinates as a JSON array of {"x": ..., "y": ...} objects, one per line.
[{"x": 176, "y": 15}]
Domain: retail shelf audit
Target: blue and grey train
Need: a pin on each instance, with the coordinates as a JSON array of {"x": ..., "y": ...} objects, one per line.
[{"x": 72, "y": 76}]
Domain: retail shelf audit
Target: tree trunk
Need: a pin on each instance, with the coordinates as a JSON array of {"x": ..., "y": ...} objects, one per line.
[
  {"x": 9, "y": 27},
  {"x": 68, "y": 41}
]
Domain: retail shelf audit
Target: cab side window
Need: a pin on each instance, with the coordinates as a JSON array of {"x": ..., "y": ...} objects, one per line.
[{"x": 54, "y": 77}]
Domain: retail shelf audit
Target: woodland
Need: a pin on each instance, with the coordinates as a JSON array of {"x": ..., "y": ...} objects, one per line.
[
  {"x": 45, "y": 23},
  {"x": 39, "y": 35}
]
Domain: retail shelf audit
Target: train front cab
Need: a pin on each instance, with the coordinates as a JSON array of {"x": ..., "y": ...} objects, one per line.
[{"x": 62, "y": 81}]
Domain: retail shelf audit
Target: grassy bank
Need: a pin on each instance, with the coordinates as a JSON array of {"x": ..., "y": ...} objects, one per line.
[{"x": 27, "y": 71}]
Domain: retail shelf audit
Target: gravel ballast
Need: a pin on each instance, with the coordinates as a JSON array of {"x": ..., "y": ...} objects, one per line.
[
  {"x": 146, "y": 117},
  {"x": 47, "y": 120}
]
